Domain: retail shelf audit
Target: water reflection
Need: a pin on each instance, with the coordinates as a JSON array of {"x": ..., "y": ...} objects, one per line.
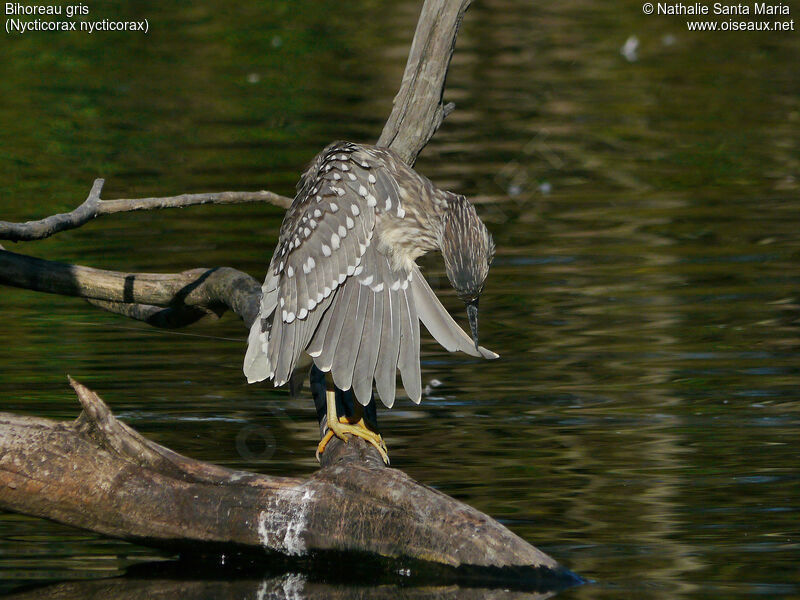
[{"x": 288, "y": 586}]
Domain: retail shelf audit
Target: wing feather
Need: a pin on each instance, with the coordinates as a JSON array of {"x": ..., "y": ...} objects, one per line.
[
  {"x": 256, "y": 362},
  {"x": 439, "y": 322},
  {"x": 408, "y": 361},
  {"x": 281, "y": 353},
  {"x": 317, "y": 342},
  {"x": 366, "y": 362},
  {"x": 275, "y": 341},
  {"x": 386, "y": 368},
  {"x": 350, "y": 338},
  {"x": 367, "y": 359},
  {"x": 341, "y": 309}
]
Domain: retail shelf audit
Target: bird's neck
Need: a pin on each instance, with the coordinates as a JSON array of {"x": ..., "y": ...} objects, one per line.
[
  {"x": 416, "y": 230},
  {"x": 404, "y": 240}
]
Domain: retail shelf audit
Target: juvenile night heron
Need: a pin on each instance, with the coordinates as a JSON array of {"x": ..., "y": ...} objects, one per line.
[{"x": 343, "y": 287}]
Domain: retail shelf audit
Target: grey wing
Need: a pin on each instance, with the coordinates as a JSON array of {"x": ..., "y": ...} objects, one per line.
[
  {"x": 323, "y": 239},
  {"x": 439, "y": 322},
  {"x": 256, "y": 361},
  {"x": 371, "y": 336},
  {"x": 370, "y": 331},
  {"x": 367, "y": 360},
  {"x": 408, "y": 361}
]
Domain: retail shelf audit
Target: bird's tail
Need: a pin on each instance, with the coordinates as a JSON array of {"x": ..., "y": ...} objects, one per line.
[{"x": 257, "y": 365}]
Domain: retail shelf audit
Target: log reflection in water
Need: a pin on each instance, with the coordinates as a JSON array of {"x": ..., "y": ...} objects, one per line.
[{"x": 289, "y": 586}]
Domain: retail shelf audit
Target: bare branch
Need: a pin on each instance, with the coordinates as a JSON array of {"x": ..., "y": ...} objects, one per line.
[
  {"x": 37, "y": 230},
  {"x": 187, "y": 294},
  {"x": 94, "y": 207},
  {"x": 418, "y": 108},
  {"x": 108, "y": 207}
]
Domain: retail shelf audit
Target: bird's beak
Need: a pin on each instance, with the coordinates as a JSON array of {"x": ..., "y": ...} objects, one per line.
[{"x": 472, "y": 315}]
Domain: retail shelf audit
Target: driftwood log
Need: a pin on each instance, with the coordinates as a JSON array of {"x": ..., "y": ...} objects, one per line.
[{"x": 98, "y": 474}]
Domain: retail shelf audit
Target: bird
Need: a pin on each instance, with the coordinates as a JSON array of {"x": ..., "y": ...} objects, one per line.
[{"x": 343, "y": 289}]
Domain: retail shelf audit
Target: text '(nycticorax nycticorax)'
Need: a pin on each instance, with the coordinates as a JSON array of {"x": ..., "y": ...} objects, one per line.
[{"x": 343, "y": 286}]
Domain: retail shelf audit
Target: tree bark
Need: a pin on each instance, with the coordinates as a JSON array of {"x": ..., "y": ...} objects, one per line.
[
  {"x": 187, "y": 296},
  {"x": 419, "y": 108},
  {"x": 97, "y": 473}
]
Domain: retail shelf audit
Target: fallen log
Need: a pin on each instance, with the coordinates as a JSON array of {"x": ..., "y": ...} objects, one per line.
[{"x": 99, "y": 474}]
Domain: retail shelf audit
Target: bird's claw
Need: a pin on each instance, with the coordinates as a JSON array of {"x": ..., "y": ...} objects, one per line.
[
  {"x": 344, "y": 427},
  {"x": 347, "y": 427}
]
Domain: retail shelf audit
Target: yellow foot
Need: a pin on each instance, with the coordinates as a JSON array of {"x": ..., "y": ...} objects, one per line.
[{"x": 343, "y": 428}]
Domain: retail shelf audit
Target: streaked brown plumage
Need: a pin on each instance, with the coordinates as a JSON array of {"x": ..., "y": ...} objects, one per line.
[{"x": 343, "y": 286}]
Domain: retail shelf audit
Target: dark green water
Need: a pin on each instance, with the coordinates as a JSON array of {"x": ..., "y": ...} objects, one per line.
[{"x": 642, "y": 424}]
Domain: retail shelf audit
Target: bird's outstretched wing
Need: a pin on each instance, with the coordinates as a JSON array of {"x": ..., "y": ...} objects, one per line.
[
  {"x": 439, "y": 323},
  {"x": 332, "y": 293},
  {"x": 256, "y": 362},
  {"x": 370, "y": 330},
  {"x": 323, "y": 238}
]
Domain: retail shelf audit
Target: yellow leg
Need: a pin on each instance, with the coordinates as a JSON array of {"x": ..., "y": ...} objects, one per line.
[{"x": 343, "y": 427}]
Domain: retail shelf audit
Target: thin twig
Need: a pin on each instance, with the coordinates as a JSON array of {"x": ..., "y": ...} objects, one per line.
[
  {"x": 108, "y": 207},
  {"x": 94, "y": 207}
]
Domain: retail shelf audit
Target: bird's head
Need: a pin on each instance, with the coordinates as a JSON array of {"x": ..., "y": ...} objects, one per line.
[{"x": 468, "y": 251}]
